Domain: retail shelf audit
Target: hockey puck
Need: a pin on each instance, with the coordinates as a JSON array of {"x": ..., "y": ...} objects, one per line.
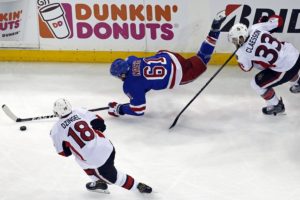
[{"x": 23, "y": 128}]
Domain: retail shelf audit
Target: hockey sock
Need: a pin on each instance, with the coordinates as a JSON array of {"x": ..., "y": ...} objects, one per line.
[
  {"x": 208, "y": 46},
  {"x": 270, "y": 97},
  {"x": 126, "y": 181}
]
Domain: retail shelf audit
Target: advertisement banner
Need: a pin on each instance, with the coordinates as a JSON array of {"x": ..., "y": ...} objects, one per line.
[
  {"x": 12, "y": 20},
  {"x": 109, "y": 25},
  {"x": 249, "y": 12},
  {"x": 133, "y": 25}
]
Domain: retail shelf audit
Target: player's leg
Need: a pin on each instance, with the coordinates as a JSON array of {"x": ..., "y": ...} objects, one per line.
[
  {"x": 98, "y": 184},
  {"x": 263, "y": 84},
  {"x": 295, "y": 80},
  {"x": 193, "y": 67},
  {"x": 295, "y": 88},
  {"x": 109, "y": 173},
  {"x": 208, "y": 46}
]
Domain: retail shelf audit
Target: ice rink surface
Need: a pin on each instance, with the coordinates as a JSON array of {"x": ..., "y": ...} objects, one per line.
[{"x": 222, "y": 147}]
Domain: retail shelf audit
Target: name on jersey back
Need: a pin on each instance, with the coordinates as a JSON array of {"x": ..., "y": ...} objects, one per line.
[
  {"x": 68, "y": 121},
  {"x": 252, "y": 41}
]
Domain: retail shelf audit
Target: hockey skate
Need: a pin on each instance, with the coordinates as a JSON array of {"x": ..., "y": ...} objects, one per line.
[
  {"x": 98, "y": 186},
  {"x": 218, "y": 20},
  {"x": 295, "y": 88},
  {"x": 143, "y": 188},
  {"x": 274, "y": 110}
]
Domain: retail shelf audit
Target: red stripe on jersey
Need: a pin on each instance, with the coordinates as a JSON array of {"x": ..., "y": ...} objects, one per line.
[
  {"x": 75, "y": 151},
  {"x": 128, "y": 183},
  {"x": 243, "y": 68},
  {"x": 174, "y": 74},
  {"x": 99, "y": 133},
  {"x": 263, "y": 64},
  {"x": 173, "y": 78}
]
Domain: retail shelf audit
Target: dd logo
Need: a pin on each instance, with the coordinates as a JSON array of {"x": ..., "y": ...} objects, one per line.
[{"x": 57, "y": 24}]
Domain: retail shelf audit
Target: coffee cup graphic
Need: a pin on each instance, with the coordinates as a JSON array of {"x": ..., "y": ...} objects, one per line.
[{"x": 53, "y": 15}]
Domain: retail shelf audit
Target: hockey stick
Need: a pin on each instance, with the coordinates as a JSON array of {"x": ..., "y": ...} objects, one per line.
[
  {"x": 11, "y": 115},
  {"x": 206, "y": 84}
]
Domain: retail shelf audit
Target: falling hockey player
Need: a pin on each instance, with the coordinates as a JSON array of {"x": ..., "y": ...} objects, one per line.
[
  {"x": 164, "y": 70},
  {"x": 80, "y": 132},
  {"x": 278, "y": 61}
]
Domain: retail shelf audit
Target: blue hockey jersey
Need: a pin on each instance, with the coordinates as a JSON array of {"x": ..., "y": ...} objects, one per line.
[{"x": 157, "y": 72}]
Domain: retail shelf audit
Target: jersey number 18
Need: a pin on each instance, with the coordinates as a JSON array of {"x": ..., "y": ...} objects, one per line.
[{"x": 86, "y": 133}]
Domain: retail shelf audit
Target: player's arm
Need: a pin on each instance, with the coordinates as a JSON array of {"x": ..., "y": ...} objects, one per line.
[
  {"x": 66, "y": 150},
  {"x": 244, "y": 63},
  {"x": 98, "y": 124},
  {"x": 137, "y": 105},
  {"x": 61, "y": 147},
  {"x": 271, "y": 24},
  {"x": 96, "y": 121},
  {"x": 133, "y": 108}
]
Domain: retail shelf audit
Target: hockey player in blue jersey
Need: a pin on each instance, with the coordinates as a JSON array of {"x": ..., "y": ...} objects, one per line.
[{"x": 163, "y": 70}]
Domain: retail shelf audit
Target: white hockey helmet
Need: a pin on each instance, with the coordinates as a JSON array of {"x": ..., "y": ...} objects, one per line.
[
  {"x": 62, "y": 108},
  {"x": 238, "y": 34}
]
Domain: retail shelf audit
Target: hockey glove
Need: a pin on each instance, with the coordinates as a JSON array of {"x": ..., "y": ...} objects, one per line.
[
  {"x": 114, "y": 109},
  {"x": 98, "y": 124}
]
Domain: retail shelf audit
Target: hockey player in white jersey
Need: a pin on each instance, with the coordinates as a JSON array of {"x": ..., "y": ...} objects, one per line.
[
  {"x": 278, "y": 61},
  {"x": 80, "y": 132}
]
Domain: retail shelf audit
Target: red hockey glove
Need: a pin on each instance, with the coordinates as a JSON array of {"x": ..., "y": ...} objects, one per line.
[{"x": 114, "y": 109}]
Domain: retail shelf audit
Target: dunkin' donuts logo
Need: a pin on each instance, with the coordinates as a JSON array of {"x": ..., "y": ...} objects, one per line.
[
  {"x": 104, "y": 21},
  {"x": 53, "y": 20},
  {"x": 10, "y": 23}
]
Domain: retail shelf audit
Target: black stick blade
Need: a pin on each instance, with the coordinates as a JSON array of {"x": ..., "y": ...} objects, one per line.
[{"x": 174, "y": 122}]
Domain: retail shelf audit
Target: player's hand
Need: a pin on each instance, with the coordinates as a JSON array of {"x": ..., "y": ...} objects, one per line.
[
  {"x": 114, "y": 109},
  {"x": 263, "y": 19}
]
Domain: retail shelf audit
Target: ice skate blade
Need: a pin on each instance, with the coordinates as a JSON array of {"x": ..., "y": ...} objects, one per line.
[
  {"x": 279, "y": 114},
  {"x": 100, "y": 191},
  {"x": 275, "y": 114}
]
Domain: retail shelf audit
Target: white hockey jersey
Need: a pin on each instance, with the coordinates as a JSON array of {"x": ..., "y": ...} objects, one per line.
[
  {"x": 90, "y": 148},
  {"x": 262, "y": 50}
]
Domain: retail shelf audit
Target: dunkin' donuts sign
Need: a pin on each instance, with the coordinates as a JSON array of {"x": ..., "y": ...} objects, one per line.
[
  {"x": 11, "y": 17},
  {"x": 106, "y": 21}
]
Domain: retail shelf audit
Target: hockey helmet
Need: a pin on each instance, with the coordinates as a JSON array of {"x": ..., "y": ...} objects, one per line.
[
  {"x": 238, "y": 34},
  {"x": 119, "y": 68},
  {"x": 62, "y": 108}
]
